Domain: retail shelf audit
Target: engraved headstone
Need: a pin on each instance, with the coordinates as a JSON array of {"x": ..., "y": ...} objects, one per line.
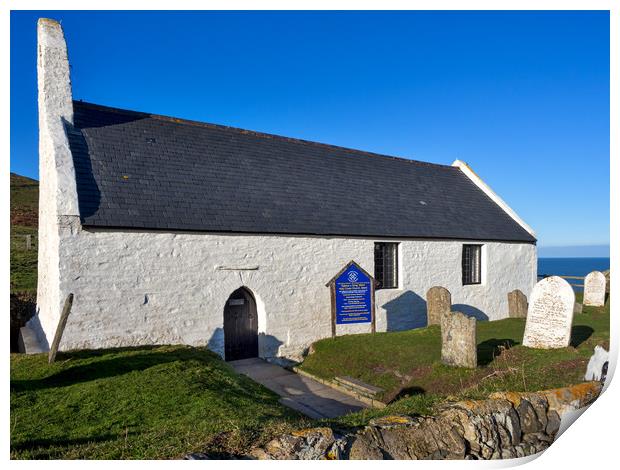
[
  {"x": 458, "y": 340},
  {"x": 594, "y": 289},
  {"x": 517, "y": 304},
  {"x": 578, "y": 308},
  {"x": 549, "y": 314},
  {"x": 438, "y": 302}
]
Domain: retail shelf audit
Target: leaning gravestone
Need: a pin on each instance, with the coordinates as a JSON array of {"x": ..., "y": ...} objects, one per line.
[
  {"x": 597, "y": 369},
  {"x": 594, "y": 289},
  {"x": 517, "y": 304},
  {"x": 458, "y": 340},
  {"x": 438, "y": 302},
  {"x": 549, "y": 314}
]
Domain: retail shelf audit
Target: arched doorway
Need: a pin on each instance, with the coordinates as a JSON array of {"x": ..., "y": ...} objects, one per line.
[{"x": 240, "y": 326}]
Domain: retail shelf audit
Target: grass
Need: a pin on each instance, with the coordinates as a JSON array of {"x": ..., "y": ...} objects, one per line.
[
  {"x": 24, "y": 217},
  {"x": 163, "y": 402},
  {"x": 24, "y": 200},
  {"x": 407, "y": 364},
  {"x": 23, "y": 262},
  {"x": 140, "y": 403}
]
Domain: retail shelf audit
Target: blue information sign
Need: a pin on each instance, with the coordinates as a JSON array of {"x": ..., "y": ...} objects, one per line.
[{"x": 353, "y": 297}]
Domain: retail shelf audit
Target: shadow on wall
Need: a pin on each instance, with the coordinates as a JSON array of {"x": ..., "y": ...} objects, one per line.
[
  {"x": 470, "y": 311},
  {"x": 268, "y": 345},
  {"x": 405, "y": 312},
  {"x": 216, "y": 342},
  {"x": 35, "y": 325}
]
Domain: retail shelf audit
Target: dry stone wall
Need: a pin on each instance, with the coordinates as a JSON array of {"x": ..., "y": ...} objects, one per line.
[{"x": 507, "y": 425}]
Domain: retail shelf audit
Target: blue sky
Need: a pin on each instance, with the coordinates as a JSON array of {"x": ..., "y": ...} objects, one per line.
[{"x": 523, "y": 97}]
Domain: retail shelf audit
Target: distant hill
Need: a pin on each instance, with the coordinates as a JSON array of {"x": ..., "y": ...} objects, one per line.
[
  {"x": 24, "y": 201},
  {"x": 24, "y": 222}
]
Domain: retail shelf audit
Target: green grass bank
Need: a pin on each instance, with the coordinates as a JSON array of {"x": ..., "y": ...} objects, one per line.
[
  {"x": 140, "y": 403},
  {"x": 407, "y": 364}
]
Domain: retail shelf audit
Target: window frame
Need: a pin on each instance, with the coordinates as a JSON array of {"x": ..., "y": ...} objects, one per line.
[
  {"x": 393, "y": 251},
  {"x": 471, "y": 271}
]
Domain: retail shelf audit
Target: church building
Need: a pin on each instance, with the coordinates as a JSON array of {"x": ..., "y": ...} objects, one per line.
[{"x": 169, "y": 231}]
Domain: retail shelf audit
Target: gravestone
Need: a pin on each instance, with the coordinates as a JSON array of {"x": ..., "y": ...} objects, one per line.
[
  {"x": 549, "y": 314},
  {"x": 594, "y": 289},
  {"x": 458, "y": 340},
  {"x": 517, "y": 304},
  {"x": 597, "y": 365},
  {"x": 578, "y": 308},
  {"x": 438, "y": 302}
]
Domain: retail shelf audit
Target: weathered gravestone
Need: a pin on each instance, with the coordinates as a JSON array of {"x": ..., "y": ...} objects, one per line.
[
  {"x": 549, "y": 314},
  {"x": 458, "y": 340},
  {"x": 517, "y": 304},
  {"x": 594, "y": 289},
  {"x": 438, "y": 302}
]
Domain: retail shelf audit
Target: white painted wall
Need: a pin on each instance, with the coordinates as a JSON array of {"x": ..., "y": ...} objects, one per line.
[
  {"x": 57, "y": 189},
  {"x": 133, "y": 288}
]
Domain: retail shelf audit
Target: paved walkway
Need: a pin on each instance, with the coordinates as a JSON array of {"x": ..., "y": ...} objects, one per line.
[{"x": 301, "y": 393}]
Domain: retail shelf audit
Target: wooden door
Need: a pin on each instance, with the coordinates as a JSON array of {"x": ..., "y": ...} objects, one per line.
[{"x": 240, "y": 326}]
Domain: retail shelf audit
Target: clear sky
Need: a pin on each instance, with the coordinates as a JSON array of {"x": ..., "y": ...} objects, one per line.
[{"x": 523, "y": 97}]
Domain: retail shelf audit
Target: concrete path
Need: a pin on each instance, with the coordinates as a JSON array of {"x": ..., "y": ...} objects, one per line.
[{"x": 298, "y": 392}]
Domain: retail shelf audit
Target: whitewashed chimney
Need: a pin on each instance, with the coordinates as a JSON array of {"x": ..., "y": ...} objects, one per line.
[{"x": 58, "y": 204}]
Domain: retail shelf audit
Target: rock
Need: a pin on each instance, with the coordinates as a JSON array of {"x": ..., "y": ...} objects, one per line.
[
  {"x": 596, "y": 364},
  {"x": 365, "y": 447},
  {"x": 507, "y": 425},
  {"x": 306, "y": 444},
  {"x": 553, "y": 423},
  {"x": 528, "y": 418},
  {"x": 338, "y": 450},
  {"x": 197, "y": 456},
  {"x": 392, "y": 421}
]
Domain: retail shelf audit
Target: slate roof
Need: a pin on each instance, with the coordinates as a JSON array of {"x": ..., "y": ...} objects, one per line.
[{"x": 141, "y": 171}]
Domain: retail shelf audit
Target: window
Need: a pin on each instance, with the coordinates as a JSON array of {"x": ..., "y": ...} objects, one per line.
[
  {"x": 472, "y": 255},
  {"x": 386, "y": 265}
]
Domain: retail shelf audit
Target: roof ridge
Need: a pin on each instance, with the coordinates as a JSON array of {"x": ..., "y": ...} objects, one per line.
[{"x": 257, "y": 133}]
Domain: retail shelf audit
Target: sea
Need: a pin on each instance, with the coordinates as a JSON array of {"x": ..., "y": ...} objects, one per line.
[{"x": 571, "y": 267}]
